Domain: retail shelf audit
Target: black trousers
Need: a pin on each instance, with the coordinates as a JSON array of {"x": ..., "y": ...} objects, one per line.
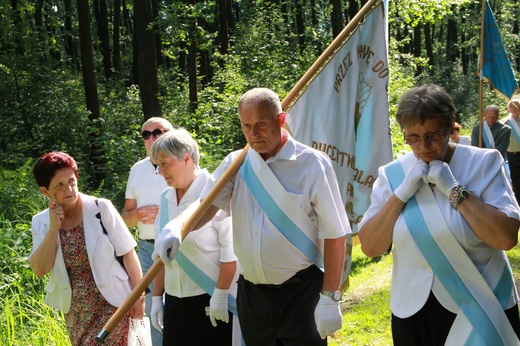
[
  {"x": 186, "y": 323},
  {"x": 431, "y": 325},
  {"x": 281, "y": 315},
  {"x": 514, "y": 169}
]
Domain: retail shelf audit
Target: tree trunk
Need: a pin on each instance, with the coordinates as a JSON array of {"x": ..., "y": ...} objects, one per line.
[
  {"x": 300, "y": 29},
  {"x": 147, "y": 62},
  {"x": 157, "y": 33},
  {"x": 233, "y": 16},
  {"x": 101, "y": 13},
  {"x": 192, "y": 66},
  {"x": 463, "y": 51},
  {"x": 38, "y": 21},
  {"x": 223, "y": 32},
  {"x": 70, "y": 46},
  {"x": 17, "y": 27},
  {"x": 516, "y": 32},
  {"x": 116, "y": 55},
  {"x": 230, "y": 4},
  {"x": 89, "y": 82},
  {"x": 417, "y": 46},
  {"x": 336, "y": 17},
  {"x": 204, "y": 63},
  {"x": 452, "y": 52},
  {"x": 353, "y": 9},
  {"x": 428, "y": 44}
]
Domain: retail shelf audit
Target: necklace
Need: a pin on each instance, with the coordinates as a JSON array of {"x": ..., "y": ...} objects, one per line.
[{"x": 68, "y": 226}]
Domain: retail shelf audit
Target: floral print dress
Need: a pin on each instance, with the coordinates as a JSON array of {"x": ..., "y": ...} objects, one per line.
[{"x": 89, "y": 311}]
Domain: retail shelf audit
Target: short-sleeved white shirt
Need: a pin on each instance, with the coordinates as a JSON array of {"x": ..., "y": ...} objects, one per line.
[
  {"x": 214, "y": 239},
  {"x": 145, "y": 185},
  {"x": 264, "y": 255}
]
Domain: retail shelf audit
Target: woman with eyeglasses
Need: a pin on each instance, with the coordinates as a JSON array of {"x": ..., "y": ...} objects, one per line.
[
  {"x": 143, "y": 191},
  {"x": 76, "y": 239},
  {"x": 450, "y": 215}
]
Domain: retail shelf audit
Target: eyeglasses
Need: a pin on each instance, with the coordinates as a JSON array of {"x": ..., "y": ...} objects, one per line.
[
  {"x": 429, "y": 138},
  {"x": 155, "y": 133}
]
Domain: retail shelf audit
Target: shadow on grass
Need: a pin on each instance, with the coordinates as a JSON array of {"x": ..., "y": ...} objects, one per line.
[{"x": 361, "y": 262}]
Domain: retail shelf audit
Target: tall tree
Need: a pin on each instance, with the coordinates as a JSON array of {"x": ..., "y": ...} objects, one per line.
[
  {"x": 417, "y": 50},
  {"x": 116, "y": 54},
  {"x": 70, "y": 46},
  {"x": 147, "y": 61},
  {"x": 336, "y": 17},
  {"x": 192, "y": 63},
  {"x": 223, "y": 32},
  {"x": 452, "y": 52},
  {"x": 91, "y": 95},
  {"x": 300, "y": 26},
  {"x": 428, "y": 43},
  {"x": 101, "y": 12},
  {"x": 157, "y": 32}
]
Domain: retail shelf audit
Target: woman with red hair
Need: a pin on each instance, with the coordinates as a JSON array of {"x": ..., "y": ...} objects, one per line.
[{"x": 78, "y": 240}]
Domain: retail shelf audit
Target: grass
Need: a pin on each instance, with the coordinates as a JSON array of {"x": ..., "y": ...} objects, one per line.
[
  {"x": 24, "y": 318},
  {"x": 366, "y": 307}
]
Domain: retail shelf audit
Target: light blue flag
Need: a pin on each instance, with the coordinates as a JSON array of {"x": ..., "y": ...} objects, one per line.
[
  {"x": 344, "y": 112},
  {"x": 497, "y": 69}
]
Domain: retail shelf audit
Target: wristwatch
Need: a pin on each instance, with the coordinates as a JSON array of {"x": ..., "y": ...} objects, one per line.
[
  {"x": 336, "y": 295},
  {"x": 460, "y": 194}
]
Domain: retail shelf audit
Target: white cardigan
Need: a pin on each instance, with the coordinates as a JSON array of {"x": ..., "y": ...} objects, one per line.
[{"x": 111, "y": 278}]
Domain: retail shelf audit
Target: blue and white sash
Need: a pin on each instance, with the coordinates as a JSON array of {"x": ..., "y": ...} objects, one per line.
[
  {"x": 203, "y": 271},
  {"x": 487, "y": 136},
  {"x": 515, "y": 129},
  {"x": 481, "y": 319},
  {"x": 283, "y": 211}
]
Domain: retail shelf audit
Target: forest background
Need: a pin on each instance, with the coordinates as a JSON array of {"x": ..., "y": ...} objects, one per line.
[{"x": 82, "y": 77}]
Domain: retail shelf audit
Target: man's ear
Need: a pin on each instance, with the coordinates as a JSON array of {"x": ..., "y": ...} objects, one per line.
[{"x": 281, "y": 118}]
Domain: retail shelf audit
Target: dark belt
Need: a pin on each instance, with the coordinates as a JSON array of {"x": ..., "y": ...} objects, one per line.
[
  {"x": 513, "y": 152},
  {"x": 149, "y": 240},
  {"x": 296, "y": 279}
]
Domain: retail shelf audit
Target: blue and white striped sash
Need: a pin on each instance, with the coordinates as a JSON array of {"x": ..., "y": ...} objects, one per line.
[
  {"x": 515, "y": 129},
  {"x": 283, "y": 211},
  {"x": 487, "y": 136},
  {"x": 199, "y": 268},
  {"x": 481, "y": 320}
]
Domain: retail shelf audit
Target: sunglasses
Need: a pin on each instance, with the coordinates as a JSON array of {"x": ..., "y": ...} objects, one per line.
[{"x": 155, "y": 133}]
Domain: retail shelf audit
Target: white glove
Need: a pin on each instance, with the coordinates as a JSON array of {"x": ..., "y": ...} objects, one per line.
[
  {"x": 327, "y": 316},
  {"x": 157, "y": 312},
  {"x": 218, "y": 306},
  {"x": 417, "y": 174},
  {"x": 169, "y": 239},
  {"x": 440, "y": 175}
]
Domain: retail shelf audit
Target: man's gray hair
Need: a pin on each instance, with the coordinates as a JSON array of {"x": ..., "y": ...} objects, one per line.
[
  {"x": 166, "y": 125},
  {"x": 262, "y": 95}
]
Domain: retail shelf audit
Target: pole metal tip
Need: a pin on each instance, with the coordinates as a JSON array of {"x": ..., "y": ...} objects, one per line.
[{"x": 100, "y": 339}]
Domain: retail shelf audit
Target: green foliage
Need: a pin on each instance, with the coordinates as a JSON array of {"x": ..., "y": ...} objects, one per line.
[{"x": 24, "y": 318}]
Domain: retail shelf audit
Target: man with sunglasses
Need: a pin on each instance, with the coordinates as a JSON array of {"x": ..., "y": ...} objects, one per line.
[
  {"x": 142, "y": 196},
  {"x": 495, "y": 135}
]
